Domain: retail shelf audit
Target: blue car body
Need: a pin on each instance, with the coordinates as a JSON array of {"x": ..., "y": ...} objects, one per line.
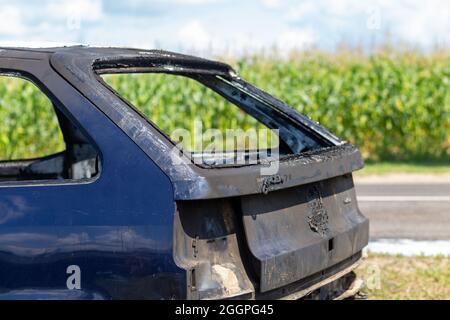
[{"x": 123, "y": 228}]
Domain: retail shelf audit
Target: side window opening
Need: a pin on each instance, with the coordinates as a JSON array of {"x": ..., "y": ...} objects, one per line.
[{"x": 37, "y": 140}]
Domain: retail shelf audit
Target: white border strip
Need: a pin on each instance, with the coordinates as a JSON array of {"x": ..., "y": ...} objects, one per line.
[
  {"x": 404, "y": 198},
  {"x": 408, "y": 247}
]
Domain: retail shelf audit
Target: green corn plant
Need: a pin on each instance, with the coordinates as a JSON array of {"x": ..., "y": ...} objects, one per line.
[{"x": 394, "y": 105}]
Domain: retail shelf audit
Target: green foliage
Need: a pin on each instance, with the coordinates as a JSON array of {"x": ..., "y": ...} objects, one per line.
[
  {"x": 392, "y": 105},
  {"x": 29, "y": 126}
]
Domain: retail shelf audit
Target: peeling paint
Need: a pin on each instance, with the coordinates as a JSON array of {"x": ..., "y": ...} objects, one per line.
[{"x": 225, "y": 275}]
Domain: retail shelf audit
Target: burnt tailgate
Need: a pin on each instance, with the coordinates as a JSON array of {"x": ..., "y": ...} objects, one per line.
[{"x": 296, "y": 232}]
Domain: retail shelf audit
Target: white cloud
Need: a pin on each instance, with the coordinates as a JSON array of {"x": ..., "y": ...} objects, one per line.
[
  {"x": 296, "y": 39},
  {"x": 345, "y": 8},
  {"x": 194, "y": 35},
  {"x": 86, "y": 10},
  {"x": 301, "y": 11},
  {"x": 194, "y": 2},
  {"x": 421, "y": 22},
  {"x": 272, "y": 3},
  {"x": 414, "y": 21},
  {"x": 12, "y": 21},
  {"x": 228, "y": 27},
  {"x": 329, "y": 10}
]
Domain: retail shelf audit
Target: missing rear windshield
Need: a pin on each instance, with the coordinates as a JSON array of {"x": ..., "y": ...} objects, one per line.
[{"x": 214, "y": 120}]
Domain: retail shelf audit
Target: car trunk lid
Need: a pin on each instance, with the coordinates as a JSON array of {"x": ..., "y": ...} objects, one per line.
[
  {"x": 257, "y": 243},
  {"x": 296, "y": 232}
]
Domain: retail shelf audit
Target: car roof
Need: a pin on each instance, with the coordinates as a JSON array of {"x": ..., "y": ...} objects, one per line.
[{"x": 117, "y": 57}]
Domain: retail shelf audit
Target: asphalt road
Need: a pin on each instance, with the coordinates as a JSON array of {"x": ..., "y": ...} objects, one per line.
[{"x": 412, "y": 210}]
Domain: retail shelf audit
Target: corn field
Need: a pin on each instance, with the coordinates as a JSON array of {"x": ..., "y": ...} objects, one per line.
[
  {"x": 28, "y": 125},
  {"x": 392, "y": 105}
]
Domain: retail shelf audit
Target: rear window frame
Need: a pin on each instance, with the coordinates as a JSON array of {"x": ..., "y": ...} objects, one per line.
[{"x": 196, "y": 75}]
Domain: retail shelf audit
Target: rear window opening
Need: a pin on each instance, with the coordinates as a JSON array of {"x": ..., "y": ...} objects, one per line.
[{"x": 213, "y": 119}]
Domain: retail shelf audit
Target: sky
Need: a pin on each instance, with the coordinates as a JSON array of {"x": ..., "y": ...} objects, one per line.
[{"x": 228, "y": 27}]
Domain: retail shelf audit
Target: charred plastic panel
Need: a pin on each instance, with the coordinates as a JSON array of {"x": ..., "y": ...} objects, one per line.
[
  {"x": 256, "y": 244},
  {"x": 209, "y": 245},
  {"x": 296, "y": 232}
]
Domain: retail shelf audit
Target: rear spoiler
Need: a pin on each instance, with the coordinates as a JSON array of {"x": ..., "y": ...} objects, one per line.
[{"x": 292, "y": 171}]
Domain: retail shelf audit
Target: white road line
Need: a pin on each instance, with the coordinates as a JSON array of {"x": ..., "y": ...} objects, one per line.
[
  {"x": 403, "y": 198},
  {"x": 408, "y": 247}
]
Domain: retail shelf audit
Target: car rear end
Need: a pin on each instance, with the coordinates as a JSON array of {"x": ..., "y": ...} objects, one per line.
[
  {"x": 282, "y": 223},
  {"x": 283, "y": 244}
]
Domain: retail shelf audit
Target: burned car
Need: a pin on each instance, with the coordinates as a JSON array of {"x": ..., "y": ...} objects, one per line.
[{"x": 124, "y": 213}]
